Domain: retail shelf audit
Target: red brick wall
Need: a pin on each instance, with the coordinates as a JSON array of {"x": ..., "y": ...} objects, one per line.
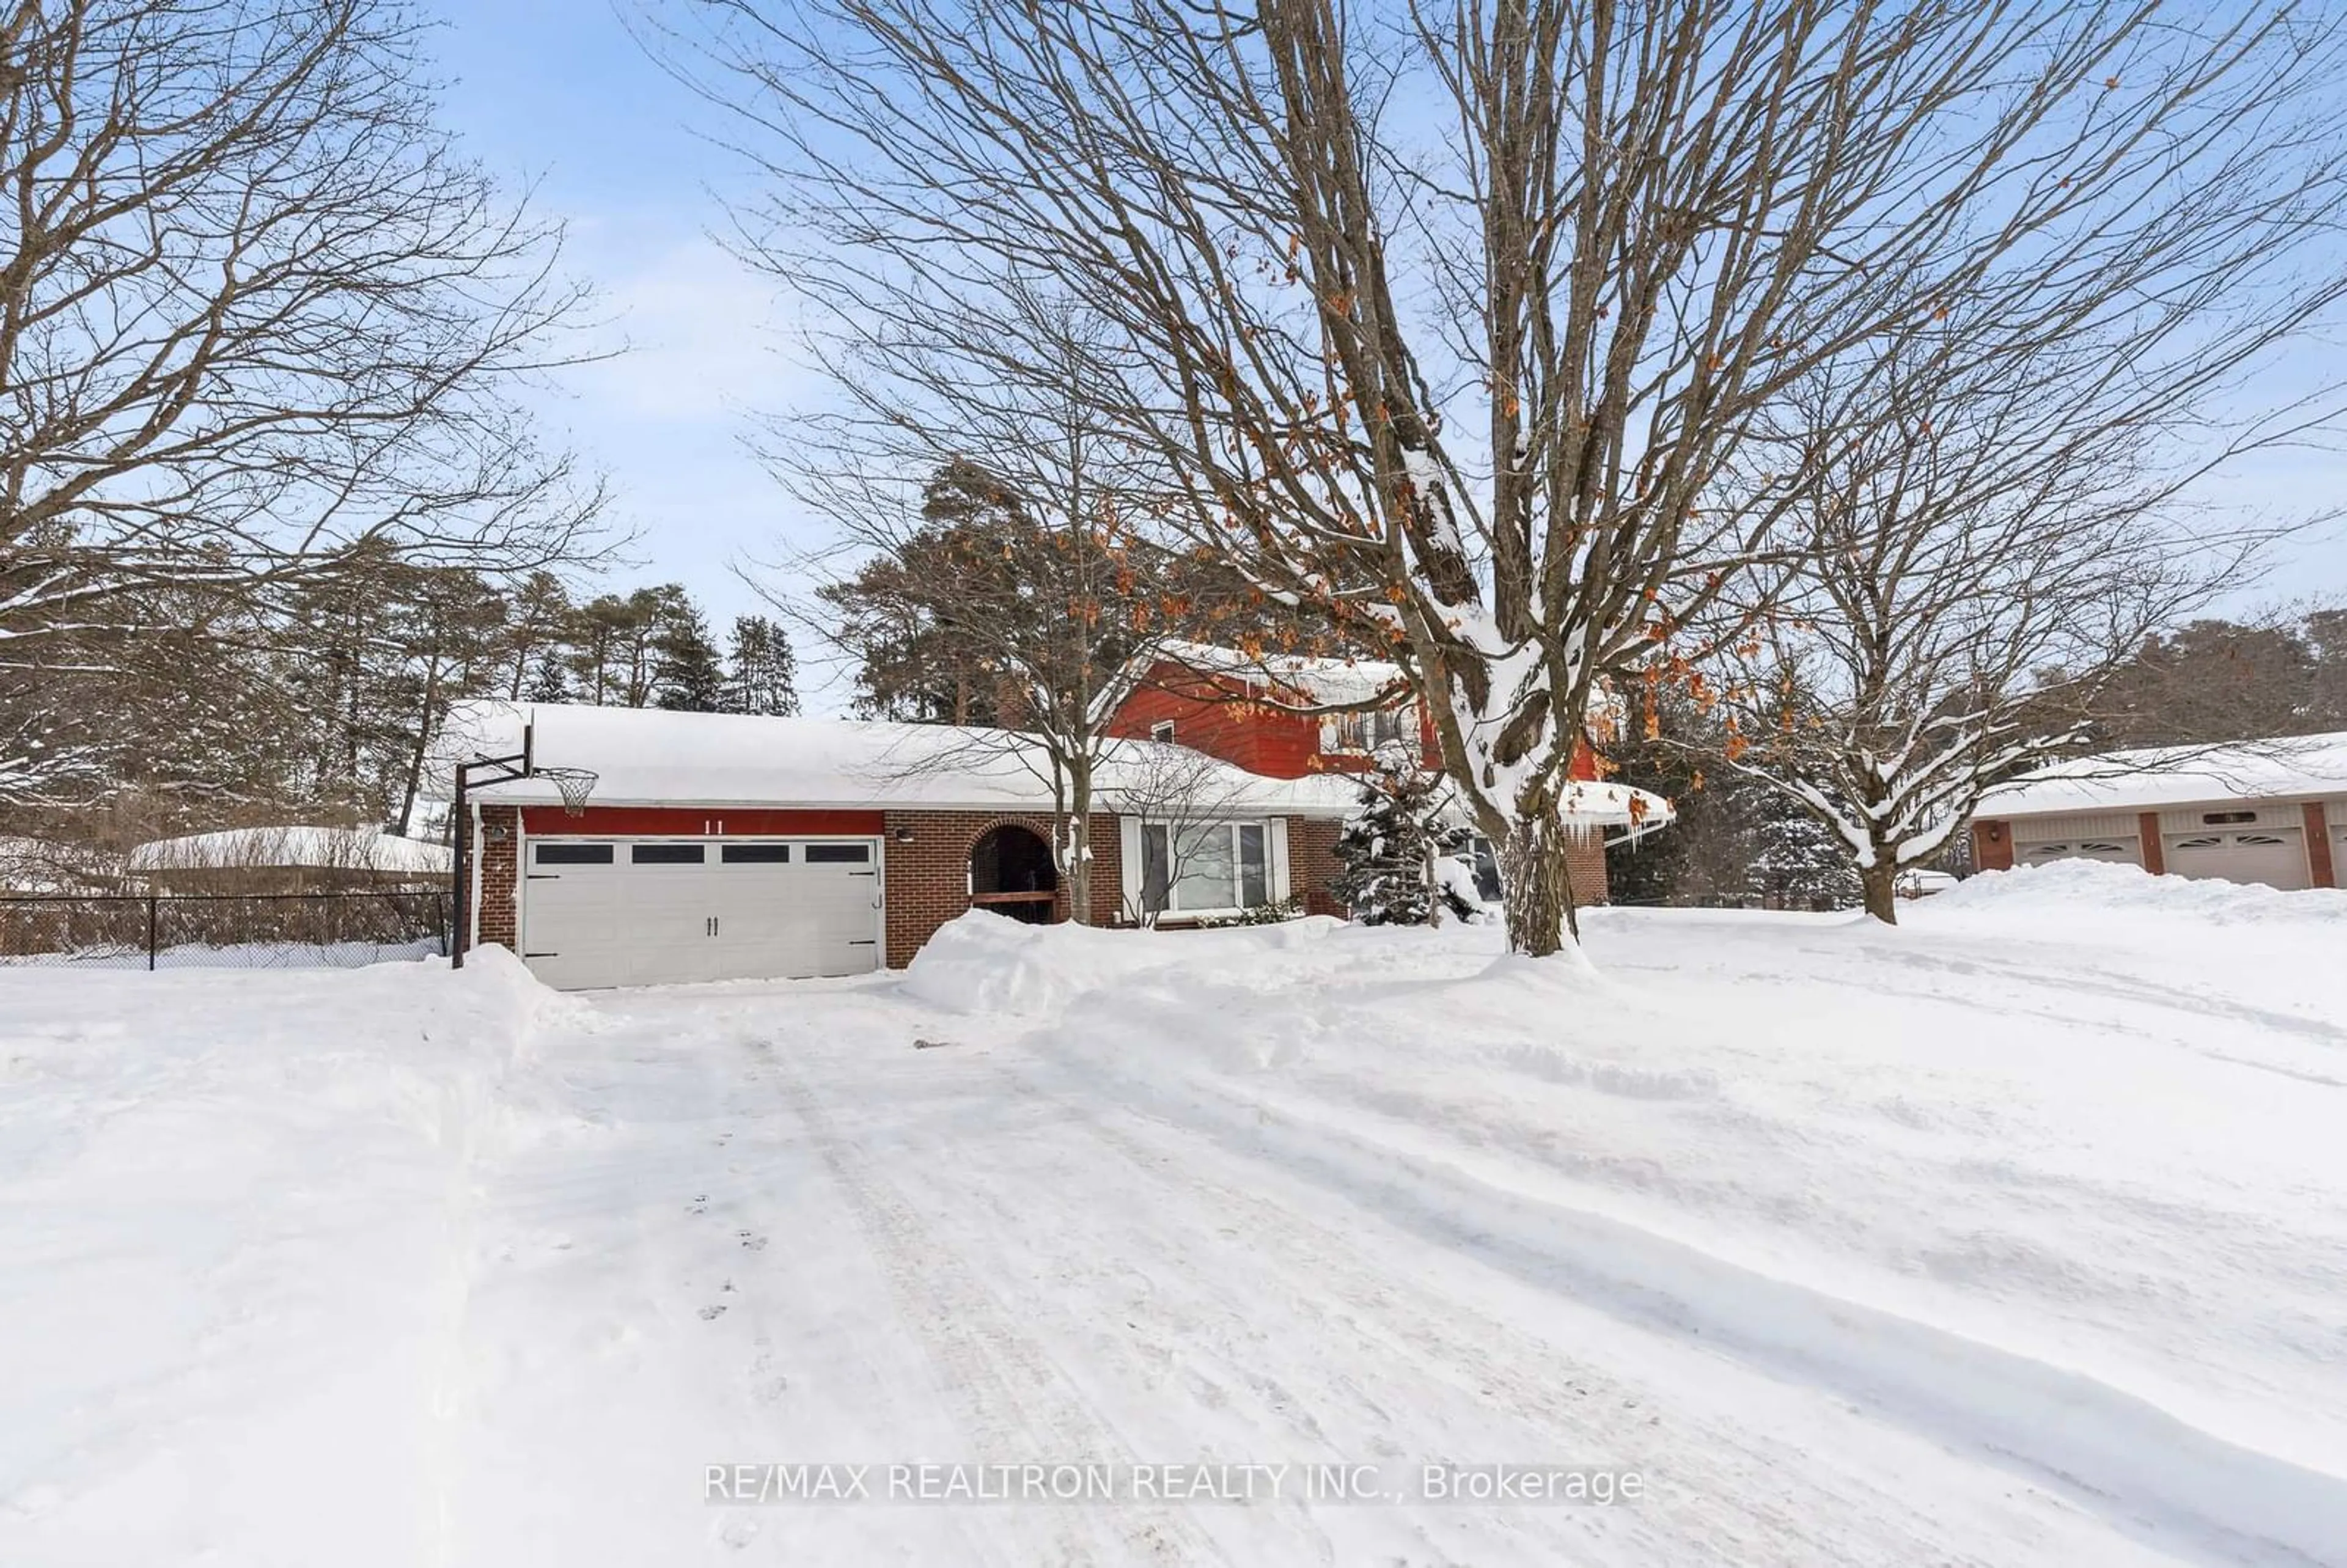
[
  {"x": 500, "y": 844},
  {"x": 928, "y": 874},
  {"x": 1992, "y": 846},
  {"x": 1311, "y": 863},
  {"x": 2322, "y": 870},
  {"x": 1584, "y": 857},
  {"x": 2155, "y": 849}
]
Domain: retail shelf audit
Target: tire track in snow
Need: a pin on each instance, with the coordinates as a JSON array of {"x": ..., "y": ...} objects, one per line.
[
  {"x": 1580, "y": 1401},
  {"x": 1010, "y": 1400},
  {"x": 2149, "y": 1473}
]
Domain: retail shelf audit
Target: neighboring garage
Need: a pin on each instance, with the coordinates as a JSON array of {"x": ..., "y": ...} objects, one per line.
[
  {"x": 2270, "y": 811},
  {"x": 2080, "y": 840}
]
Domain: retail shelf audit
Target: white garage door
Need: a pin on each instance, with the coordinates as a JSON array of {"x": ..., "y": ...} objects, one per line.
[
  {"x": 2274, "y": 856},
  {"x": 640, "y": 912},
  {"x": 2117, "y": 851}
]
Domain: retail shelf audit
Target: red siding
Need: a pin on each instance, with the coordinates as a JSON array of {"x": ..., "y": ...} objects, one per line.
[
  {"x": 1218, "y": 716},
  {"x": 698, "y": 821}
]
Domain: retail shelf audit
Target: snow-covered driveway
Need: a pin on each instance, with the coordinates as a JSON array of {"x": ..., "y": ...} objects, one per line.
[{"x": 2016, "y": 1236}]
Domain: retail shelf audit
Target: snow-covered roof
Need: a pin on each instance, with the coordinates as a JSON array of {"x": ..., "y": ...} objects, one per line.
[
  {"x": 2178, "y": 775},
  {"x": 327, "y": 848},
  {"x": 649, "y": 756},
  {"x": 1329, "y": 681}
]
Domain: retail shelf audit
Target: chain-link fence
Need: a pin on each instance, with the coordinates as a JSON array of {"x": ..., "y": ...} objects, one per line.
[{"x": 223, "y": 931}]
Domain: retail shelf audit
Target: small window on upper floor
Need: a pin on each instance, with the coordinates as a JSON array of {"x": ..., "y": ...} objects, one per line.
[
  {"x": 1369, "y": 732},
  {"x": 1162, "y": 730},
  {"x": 1393, "y": 725}
]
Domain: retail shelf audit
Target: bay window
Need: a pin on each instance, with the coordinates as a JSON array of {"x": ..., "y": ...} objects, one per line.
[{"x": 1205, "y": 868}]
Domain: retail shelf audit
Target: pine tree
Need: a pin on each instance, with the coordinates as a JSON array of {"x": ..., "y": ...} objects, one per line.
[
  {"x": 1801, "y": 864},
  {"x": 761, "y": 676},
  {"x": 686, "y": 673},
  {"x": 549, "y": 681},
  {"x": 1388, "y": 852}
]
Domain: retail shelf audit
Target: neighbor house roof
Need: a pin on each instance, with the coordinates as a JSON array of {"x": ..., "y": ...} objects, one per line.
[
  {"x": 2178, "y": 775},
  {"x": 298, "y": 844},
  {"x": 649, "y": 756}
]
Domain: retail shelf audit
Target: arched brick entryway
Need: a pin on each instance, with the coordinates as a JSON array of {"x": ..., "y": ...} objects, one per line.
[{"x": 1011, "y": 872}]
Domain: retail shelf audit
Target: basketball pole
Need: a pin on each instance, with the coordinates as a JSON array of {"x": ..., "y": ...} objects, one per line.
[{"x": 460, "y": 911}]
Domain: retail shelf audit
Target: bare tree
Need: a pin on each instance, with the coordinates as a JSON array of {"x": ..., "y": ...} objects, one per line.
[
  {"x": 1983, "y": 561},
  {"x": 990, "y": 549},
  {"x": 254, "y": 312},
  {"x": 1456, "y": 322}
]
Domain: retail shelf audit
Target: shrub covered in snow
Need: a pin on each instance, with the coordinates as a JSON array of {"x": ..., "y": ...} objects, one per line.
[{"x": 1399, "y": 855}]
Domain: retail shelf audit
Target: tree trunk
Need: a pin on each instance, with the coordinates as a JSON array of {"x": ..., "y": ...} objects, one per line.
[
  {"x": 1538, "y": 887},
  {"x": 1079, "y": 871},
  {"x": 413, "y": 785},
  {"x": 1880, "y": 882}
]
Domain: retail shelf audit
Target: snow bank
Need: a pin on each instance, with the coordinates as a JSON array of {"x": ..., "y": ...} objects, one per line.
[
  {"x": 239, "y": 1216},
  {"x": 2090, "y": 888},
  {"x": 984, "y": 963}
]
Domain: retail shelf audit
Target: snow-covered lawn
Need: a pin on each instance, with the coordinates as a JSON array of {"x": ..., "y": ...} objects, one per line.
[{"x": 2017, "y": 1235}]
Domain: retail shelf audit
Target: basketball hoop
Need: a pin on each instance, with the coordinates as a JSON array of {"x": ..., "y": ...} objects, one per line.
[{"x": 576, "y": 784}]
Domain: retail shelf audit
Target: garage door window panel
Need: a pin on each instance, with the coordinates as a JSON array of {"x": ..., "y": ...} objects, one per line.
[
  {"x": 667, "y": 853},
  {"x": 571, "y": 854}
]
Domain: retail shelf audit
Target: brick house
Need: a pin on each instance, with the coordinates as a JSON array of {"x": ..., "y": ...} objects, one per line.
[
  {"x": 720, "y": 846},
  {"x": 1256, "y": 713},
  {"x": 2272, "y": 811}
]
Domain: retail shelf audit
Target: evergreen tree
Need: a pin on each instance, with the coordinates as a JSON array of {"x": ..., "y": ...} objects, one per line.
[
  {"x": 1389, "y": 853},
  {"x": 761, "y": 675},
  {"x": 1801, "y": 863},
  {"x": 539, "y": 616},
  {"x": 550, "y": 680},
  {"x": 1670, "y": 745},
  {"x": 687, "y": 674}
]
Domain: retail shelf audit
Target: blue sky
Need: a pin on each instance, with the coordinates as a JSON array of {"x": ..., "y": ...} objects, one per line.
[
  {"x": 557, "y": 92},
  {"x": 554, "y": 92}
]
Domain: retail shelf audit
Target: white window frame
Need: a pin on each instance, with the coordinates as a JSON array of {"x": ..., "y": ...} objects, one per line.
[
  {"x": 1357, "y": 731},
  {"x": 1274, "y": 854}
]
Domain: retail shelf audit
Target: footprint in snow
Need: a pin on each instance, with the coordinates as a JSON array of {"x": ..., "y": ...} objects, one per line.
[
  {"x": 753, "y": 1242},
  {"x": 710, "y": 1314}
]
